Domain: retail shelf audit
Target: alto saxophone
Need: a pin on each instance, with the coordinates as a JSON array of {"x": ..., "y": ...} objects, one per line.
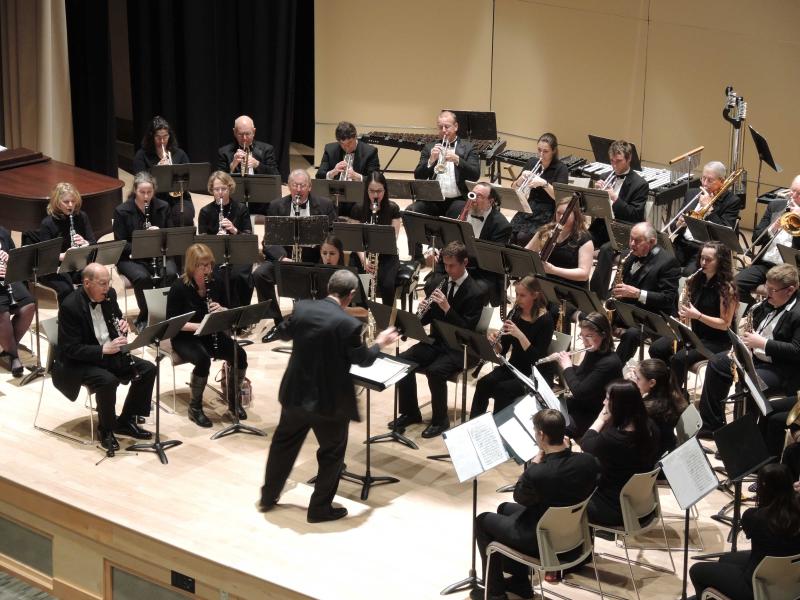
[
  {"x": 685, "y": 300},
  {"x": 608, "y": 305}
]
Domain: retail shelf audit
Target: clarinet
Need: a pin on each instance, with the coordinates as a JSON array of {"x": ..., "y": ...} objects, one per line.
[
  {"x": 154, "y": 263},
  {"x": 214, "y": 339},
  {"x": 113, "y": 333},
  {"x": 72, "y": 233},
  {"x": 6, "y": 287},
  {"x": 221, "y": 229}
]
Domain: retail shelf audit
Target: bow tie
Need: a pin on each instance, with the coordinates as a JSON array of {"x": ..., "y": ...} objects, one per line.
[
  {"x": 476, "y": 217},
  {"x": 94, "y": 304},
  {"x": 624, "y": 175}
]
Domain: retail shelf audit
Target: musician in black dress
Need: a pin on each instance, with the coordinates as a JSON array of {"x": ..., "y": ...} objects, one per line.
[
  {"x": 331, "y": 251},
  {"x": 662, "y": 399},
  {"x": 587, "y": 381},
  {"x": 16, "y": 308},
  {"x": 711, "y": 307},
  {"x": 527, "y": 332},
  {"x": 142, "y": 210},
  {"x": 197, "y": 291},
  {"x": 225, "y": 216},
  {"x": 65, "y": 221},
  {"x": 571, "y": 258},
  {"x": 542, "y": 195},
  {"x": 386, "y": 212},
  {"x": 160, "y": 147}
]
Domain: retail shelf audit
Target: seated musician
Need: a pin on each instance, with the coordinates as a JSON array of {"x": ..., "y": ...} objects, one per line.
[
  {"x": 261, "y": 159},
  {"x": 142, "y": 210},
  {"x": 334, "y": 159},
  {"x": 773, "y": 526},
  {"x": 555, "y": 477},
  {"x": 627, "y": 191},
  {"x": 751, "y": 279},
  {"x": 649, "y": 280},
  {"x": 541, "y": 195},
  {"x": 16, "y": 308},
  {"x": 723, "y": 211},
  {"x": 775, "y": 344},
  {"x": 386, "y": 212},
  {"x": 587, "y": 381},
  {"x": 457, "y": 300},
  {"x": 198, "y": 291},
  {"x": 65, "y": 220},
  {"x": 307, "y": 205},
  {"x": 662, "y": 399},
  {"x": 459, "y": 162},
  {"x": 625, "y": 441},
  {"x": 710, "y": 307},
  {"x": 571, "y": 258},
  {"x": 160, "y": 147},
  {"x": 527, "y": 332},
  {"x": 90, "y": 334},
  {"x": 331, "y": 251},
  {"x": 225, "y": 216}
]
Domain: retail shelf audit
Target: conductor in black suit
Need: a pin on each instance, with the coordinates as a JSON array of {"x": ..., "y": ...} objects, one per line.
[
  {"x": 88, "y": 353},
  {"x": 365, "y": 156},
  {"x": 317, "y": 393},
  {"x": 628, "y": 194},
  {"x": 649, "y": 281},
  {"x": 458, "y": 300},
  {"x": 262, "y": 155},
  {"x": 457, "y": 158}
]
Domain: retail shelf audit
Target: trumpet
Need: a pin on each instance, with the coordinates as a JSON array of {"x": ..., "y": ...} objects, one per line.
[
  {"x": 348, "y": 165},
  {"x": 525, "y": 184},
  {"x": 441, "y": 164},
  {"x": 609, "y": 181},
  {"x": 554, "y": 357},
  {"x": 426, "y": 303},
  {"x": 245, "y": 164}
]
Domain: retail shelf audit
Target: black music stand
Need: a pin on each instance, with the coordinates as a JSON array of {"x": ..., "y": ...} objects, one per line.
[
  {"x": 437, "y": 232},
  {"x": 302, "y": 231},
  {"x": 418, "y": 190},
  {"x": 363, "y": 237},
  {"x": 29, "y": 263},
  {"x": 790, "y": 255},
  {"x": 228, "y": 250},
  {"x": 108, "y": 253},
  {"x": 743, "y": 359},
  {"x": 231, "y": 320},
  {"x": 687, "y": 339},
  {"x": 349, "y": 192},
  {"x": 648, "y": 323},
  {"x": 594, "y": 203},
  {"x": 76, "y": 259},
  {"x": 622, "y": 234},
  {"x": 585, "y": 300},
  {"x": 705, "y": 231},
  {"x": 155, "y": 334},
  {"x": 509, "y": 199},
  {"x": 182, "y": 178},
  {"x": 764, "y": 156},
  {"x": 302, "y": 281},
  {"x": 256, "y": 189}
]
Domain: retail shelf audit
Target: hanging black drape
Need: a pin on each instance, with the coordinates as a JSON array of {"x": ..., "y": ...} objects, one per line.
[
  {"x": 93, "y": 124},
  {"x": 200, "y": 64}
]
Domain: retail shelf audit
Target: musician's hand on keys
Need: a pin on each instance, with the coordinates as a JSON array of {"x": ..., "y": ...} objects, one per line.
[
  {"x": 754, "y": 341},
  {"x": 435, "y": 152},
  {"x": 537, "y": 182},
  {"x": 452, "y": 157},
  {"x": 369, "y": 268},
  {"x": 227, "y": 226},
  {"x": 340, "y": 166},
  {"x": 492, "y": 336},
  {"x": 439, "y": 297},
  {"x": 215, "y": 306},
  {"x": 564, "y": 360},
  {"x": 518, "y": 181},
  {"x": 510, "y": 328},
  {"x": 623, "y": 290},
  {"x": 548, "y": 268},
  {"x": 114, "y": 346},
  {"x": 612, "y": 195},
  {"x": 689, "y": 312},
  {"x": 164, "y": 160},
  {"x": 122, "y": 327},
  {"x": 80, "y": 240}
]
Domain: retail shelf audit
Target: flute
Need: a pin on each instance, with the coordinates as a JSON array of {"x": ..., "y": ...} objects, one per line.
[{"x": 554, "y": 357}]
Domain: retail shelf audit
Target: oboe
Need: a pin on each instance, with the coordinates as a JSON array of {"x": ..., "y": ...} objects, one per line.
[
  {"x": 214, "y": 339},
  {"x": 112, "y": 323}
]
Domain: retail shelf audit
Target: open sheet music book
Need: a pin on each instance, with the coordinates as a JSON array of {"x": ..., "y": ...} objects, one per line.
[
  {"x": 384, "y": 371},
  {"x": 515, "y": 424},
  {"x": 689, "y": 473},
  {"x": 475, "y": 447}
]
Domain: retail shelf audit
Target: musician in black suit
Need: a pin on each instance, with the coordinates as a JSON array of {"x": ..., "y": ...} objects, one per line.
[
  {"x": 262, "y": 155},
  {"x": 317, "y": 393},
  {"x": 458, "y": 300},
  {"x": 752, "y": 278},
  {"x": 140, "y": 209},
  {"x": 333, "y": 163},
  {"x": 724, "y": 211},
  {"x": 627, "y": 191},
  {"x": 460, "y": 162},
  {"x": 775, "y": 344},
  {"x": 90, "y": 334},
  {"x": 225, "y": 216},
  {"x": 307, "y": 205},
  {"x": 649, "y": 281},
  {"x": 555, "y": 477}
]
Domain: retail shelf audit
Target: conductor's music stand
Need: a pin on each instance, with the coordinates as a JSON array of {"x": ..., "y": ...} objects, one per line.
[
  {"x": 155, "y": 334},
  {"x": 256, "y": 189},
  {"x": 764, "y": 156},
  {"x": 349, "y": 192},
  {"x": 29, "y": 263},
  {"x": 188, "y": 177}
]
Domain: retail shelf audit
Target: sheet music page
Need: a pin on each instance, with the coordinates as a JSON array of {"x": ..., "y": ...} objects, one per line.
[
  {"x": 689, "y": 473},
  {"x": 549, "y": 397},
  {"x": 462, "y": 453},
  {"x": 381, "y": 371},
  {"x": 487, "y": 441},
  {"x": 524, "y": 411},
  {"x": 520, "y": 441}
]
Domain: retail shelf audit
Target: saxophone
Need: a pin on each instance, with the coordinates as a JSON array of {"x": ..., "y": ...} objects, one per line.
[{"x": 608, "y": 305}]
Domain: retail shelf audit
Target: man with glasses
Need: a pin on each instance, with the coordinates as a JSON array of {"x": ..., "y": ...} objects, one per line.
[
  {"x": 775, "y": 344},
  {"x": 301, "y": 203}
]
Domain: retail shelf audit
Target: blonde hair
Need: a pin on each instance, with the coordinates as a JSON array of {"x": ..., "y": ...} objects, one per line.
[
  {"x": 578, "y": 222},
  {"x": 784, "y": 274},
  {"x": 59, "y": 191},
  {"x": 196, "y": 254},
  {"x": 224, "y": 178}
]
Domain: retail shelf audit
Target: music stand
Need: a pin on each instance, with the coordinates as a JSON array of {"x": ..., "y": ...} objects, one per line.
[
  {"x": 586, "y": 301},
  {"x": 600, "y": 147},
  {"x": 688, "y": 339},
  {"x": 188, "y": 177},
  {"x": 789, "y": 255},
  {"x": 704, "y": 231},
  {"x": 147, "y": 243},
  {"x": 743, "y": 358},
  {"x": 302, "y": 281},
  {"x": 108, "y": 253},
  {"x": 437, "y": 232},
  {"x": 241, "y": 249},
  {"x": 764, "y": 156},
  {"x": 231, "y": 320},
  {"x": 302, "y": 231},
  {"x": 509, "y": 199},
  {"x": 76, "y": 259},
  {"x": 256, "y": 189},
  {"x": 418, "y": 190},
  {"x": 363, "y": 237},
  {"x": 648, "y": 323},
  {"x": 622, "y": 233},
  {"x": 31, "y": 262},
  {"x": 350, "y": 192},
  {"x": 155, "y": 334}
]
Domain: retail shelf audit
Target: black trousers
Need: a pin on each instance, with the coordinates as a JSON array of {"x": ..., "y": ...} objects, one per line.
[
  {"x": 241, "y": 285},
  {"x": 140, "y": 274},
  {"x": 439, "y": 364},
  {"x": 103, "y": 380},
  {"x": 601, "y": 277},
  {"x": 747, "y": 280},
  {"x": 629, "y": 344},
  {"x": 502, "y": 527},
  {"x": 681, "y": 360},
  {"x": 500, "y": 384},
  {"x": 264, "y": 281},
  {"x": 728, "y": 576},
  {"x": 199, "y": 350},
  {"x": 293, "y": 426}
]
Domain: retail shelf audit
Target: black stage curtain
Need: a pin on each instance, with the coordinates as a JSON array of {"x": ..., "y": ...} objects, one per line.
[
  {"x": 93, "y": 123},
  {"x": 200, "y": 64}
]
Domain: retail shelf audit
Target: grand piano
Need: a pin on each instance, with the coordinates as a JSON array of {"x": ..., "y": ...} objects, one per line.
[{"x": 27, "y": 177}]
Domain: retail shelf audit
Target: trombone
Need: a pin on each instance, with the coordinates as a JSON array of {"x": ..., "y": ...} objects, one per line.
[{"x": 441, "y": 163}]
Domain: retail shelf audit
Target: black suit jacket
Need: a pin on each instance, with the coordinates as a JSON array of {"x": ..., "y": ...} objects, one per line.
[
  {"x": 261, "y": 151},
  {"x": 467, "y": 169},
  {"x": 631, "y": 200},
  {"x": 725, "y": 210},
  {"x": 365, "y": 159},
  {"x": 496, "y": 228},
  {"x": 784, "y": 346},
  {"x": 283, "y": 208},
  {"x": 326, "y": 343},
  {"x": 77, "y": 346},
  {"x": 128, "y": 218},
  {"x": 659, "y": 276},
  {"x": 465, "y": 310}
]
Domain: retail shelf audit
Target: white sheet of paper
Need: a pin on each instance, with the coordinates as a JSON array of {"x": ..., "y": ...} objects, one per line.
[
  {"x": 381, "y": 371},
  {"x": 487, "y": 441},
  {"x": 515, "y": 436},
  {"x": 549, "y": 397},
  {"x": 462, "y": 453},
  {"x": 689, "y": 473},
  {"x": 524, "y": 411}
]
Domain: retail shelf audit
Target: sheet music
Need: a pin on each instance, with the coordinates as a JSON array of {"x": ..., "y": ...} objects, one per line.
[
  {"x": 465, "y": 460},
  {"x": 475, "y": 447},
  {"x": 488, "y": 443},
  {"x": 518, "y": 438},
  {"x": 383, "y": 370},
  {"x": 549, "y": 397},
  {"x": 689, "y": 473},
  {"x": 524, "y": 410}
]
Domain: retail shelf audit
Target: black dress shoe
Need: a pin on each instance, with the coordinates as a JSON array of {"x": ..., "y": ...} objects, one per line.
[
  {"x": 266, "y": 505},
  {"x": 271, "y": 335},
  {"x": 332, "y": 514},
  {"x": 432, "y": 431},
  {"x": 16, "y": 367},
  {"x": 404, "y": 421},
  {"x": 129, "y": 428},
  {"x": 108, "y": 441}
]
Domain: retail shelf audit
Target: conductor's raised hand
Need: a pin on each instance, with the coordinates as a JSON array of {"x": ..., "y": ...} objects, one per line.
[{"x": 387, "y": 337}]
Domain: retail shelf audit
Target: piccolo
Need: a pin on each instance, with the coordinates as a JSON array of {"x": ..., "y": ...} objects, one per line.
[{"x": 554, "y": 357}]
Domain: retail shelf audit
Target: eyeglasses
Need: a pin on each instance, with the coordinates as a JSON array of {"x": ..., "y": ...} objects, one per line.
[
  {"x": 219, "y": 190},
  {"x": 771, "y": 291}
]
